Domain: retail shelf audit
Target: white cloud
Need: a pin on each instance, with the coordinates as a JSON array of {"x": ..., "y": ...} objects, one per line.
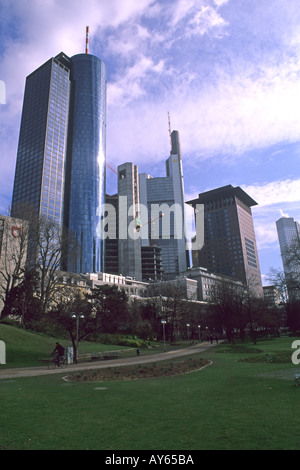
[
  {"x": 205, "y": 19},
  {"x": 191, "y": 18},
  {"x": 283, "y": 214},
  {"x": 274, "y": 199},
  {"x": 275, "y": 192},
  {"x": 129, "y": 85}
]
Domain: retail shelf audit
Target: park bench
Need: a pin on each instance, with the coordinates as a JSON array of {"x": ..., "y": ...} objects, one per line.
[
  {"x": 110, "y": 355},
  {"x": 297, "y": 379}
]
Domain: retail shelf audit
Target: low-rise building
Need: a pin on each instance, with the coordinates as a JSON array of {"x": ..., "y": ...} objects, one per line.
[{"x": 13, "y": 252}]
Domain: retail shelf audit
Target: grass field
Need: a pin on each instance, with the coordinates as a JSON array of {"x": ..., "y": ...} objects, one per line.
[
  {"x": 26, "y": 349},
  {"x": 228, "y": 405}
]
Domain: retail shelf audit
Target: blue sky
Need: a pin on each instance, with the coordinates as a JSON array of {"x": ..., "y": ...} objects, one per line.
[{"x": 227, "y": 71}]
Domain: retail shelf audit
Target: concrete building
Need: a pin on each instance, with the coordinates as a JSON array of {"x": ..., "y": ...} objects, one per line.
[
  {"x": 271, "y": 296},
  {"x": 13, "y": 252},
  {"x": 165, "y": 196},
  {"x": 129, "y": 241},
  {"x": 181, "y": 287},
  {"x": 229, "y": 237},
  {"x": 207, "y": 282},
  {"x": 152, "y": 269},
  {"x": 288, "y": 231}
]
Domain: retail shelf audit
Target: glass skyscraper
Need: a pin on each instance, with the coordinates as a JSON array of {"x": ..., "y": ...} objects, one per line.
[
  {"x": 288, "y": 231},
  {"x": 168, "y": 192},
  {"x": 60, "y": 169}
]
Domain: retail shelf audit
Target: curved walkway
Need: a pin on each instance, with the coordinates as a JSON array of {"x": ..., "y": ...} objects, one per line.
[{"x": 38, "y": 371}]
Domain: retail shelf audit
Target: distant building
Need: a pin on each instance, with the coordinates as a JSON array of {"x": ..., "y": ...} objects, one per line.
[
  {"x": 271, "y": 296},
  {"x": 166, "y": 195},
  {"x": 129, "y": 241},
  {"x": 13, "y": 252},
  {"x": 180, "y": 288},
  {"x": 288, "y": 231},
  {"x": 132, "y": 287},
  {"x": 146, "y": 235},
  {"x": 111, "y": 263},
  {"x": 229, "y": 237},
  {"x": 152, "y": 269},
  {"x": 208, "y": 282},
  {"x": 67, "y": 282}
]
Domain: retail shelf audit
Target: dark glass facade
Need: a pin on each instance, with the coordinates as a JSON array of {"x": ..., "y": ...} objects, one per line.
[
  {"x": 39, "y": 176},
  {"x": 60, "y": 169}
]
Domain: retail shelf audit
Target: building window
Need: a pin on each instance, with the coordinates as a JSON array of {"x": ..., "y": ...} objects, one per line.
[{"x": 122, "y": 174}]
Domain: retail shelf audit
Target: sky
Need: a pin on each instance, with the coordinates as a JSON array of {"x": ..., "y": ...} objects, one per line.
[{"x": 225, "y": 72}]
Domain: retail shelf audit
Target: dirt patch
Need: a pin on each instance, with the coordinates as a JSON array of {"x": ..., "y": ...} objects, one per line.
[{"x": 141, "y": 371}]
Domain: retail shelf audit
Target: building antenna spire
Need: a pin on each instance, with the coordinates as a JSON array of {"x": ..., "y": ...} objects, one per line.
[
  {"x": 169, "y": 122},
  {"x": 87, "y": 40}
]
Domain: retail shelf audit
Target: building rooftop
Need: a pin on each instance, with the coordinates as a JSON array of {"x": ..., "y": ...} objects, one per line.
[{"x": 223, "y": 192}]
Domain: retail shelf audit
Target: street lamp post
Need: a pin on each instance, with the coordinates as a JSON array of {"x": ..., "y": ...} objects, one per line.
[
  {"x": 188, "y": 331},
  {"x": 199, "y": 331},
  {"x": 163, "y": 324},
  {"x": 77, "y": 316}
]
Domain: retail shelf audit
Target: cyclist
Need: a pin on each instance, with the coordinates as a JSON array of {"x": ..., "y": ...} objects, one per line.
[{"x": 60, "y": 351}]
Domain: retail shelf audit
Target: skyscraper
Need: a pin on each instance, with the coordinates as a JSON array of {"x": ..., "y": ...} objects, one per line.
[
  {"x": 288, "y": 231},
  {"x": 40, "y": 168},
  {"x": 60, "y": 169},
  {"x": 129, "y": 246},
  {"x": 229, "y": 237},
  {"x": 167, "y": 193}
]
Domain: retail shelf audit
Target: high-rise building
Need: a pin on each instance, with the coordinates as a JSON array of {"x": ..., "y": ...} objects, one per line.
[
  {"x": 60, "y": 169},
  {"x": 229, "y": 237},
  {"x": 288, "y": 231},
  {"x": 129, "y": 245},
  {"x": 166, "y": 195}
]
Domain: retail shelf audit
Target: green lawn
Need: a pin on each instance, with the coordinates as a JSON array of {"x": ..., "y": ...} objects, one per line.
[
  {"x": 229, "y": 405},
  {"x": 25, "y": 349}
]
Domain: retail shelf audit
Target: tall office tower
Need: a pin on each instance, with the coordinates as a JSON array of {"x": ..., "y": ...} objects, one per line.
[
  {"x": 60, "y": 169},
  {"x": 288, "y": 231},
  {"x": 85, "y": 169},
  {"x": 167, "y": 195},
  {"x": 111, "y": 264},
  {"x": 129, "y": 241},
  {"x": 229, "y": 237},
  {"x": 40, "y": 168}
]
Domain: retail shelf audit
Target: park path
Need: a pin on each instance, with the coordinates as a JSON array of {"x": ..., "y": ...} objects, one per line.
[{"x": 38, "y": 371}]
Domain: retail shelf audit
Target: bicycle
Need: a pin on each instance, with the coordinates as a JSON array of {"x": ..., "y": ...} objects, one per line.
[{"x": 57, "y": 362}]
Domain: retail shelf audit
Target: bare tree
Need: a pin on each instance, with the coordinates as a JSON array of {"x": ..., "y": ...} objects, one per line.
[
  {"x": 42, "y": 243},
  {"x": 226, "y": 308},
  {"x": 291, "y": 263},
  {"x": 14, "y": 240},
  {"x": 48, "y": 244}
]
